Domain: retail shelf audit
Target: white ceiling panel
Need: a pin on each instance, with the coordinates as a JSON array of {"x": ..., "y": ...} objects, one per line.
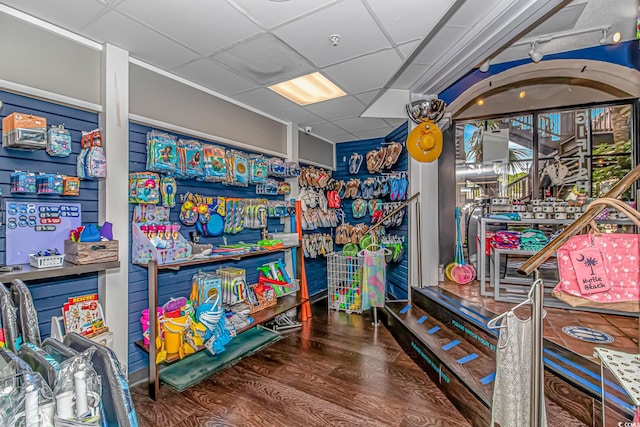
[
  {"x": 409, "y": 76},
  {"x": 405, "y": 20},
  {"x": 357, "y": 124},
  {"x": 58, "y": 12},
  {"x": 265, "y": 100},
  {"x": 440, "y": 44},
  {"x": 350, "y": 19},
  {"x": 564, "y": 20},
  {"x": 365, "y": 73},
  {"x": 346, "y": 106},
  {"x": 374, "y": 133},
  {"x": 367, "y": 97},
  {"x": 345, "y": 137},
  {"x": 407, "y": 49},
  {"x": 326, "y": 130},
  {"x": 213, "y": 76},
  {"x": 203, "y": 25},
  {"x": 272, "y": 13},
  {"x": 264, "y": 59},
  {"x": 395, "y": 122},
  {"x": 140, "y": 41},
  {"x": 468, "y": 13},
  {"x": 300, "y": 115}
]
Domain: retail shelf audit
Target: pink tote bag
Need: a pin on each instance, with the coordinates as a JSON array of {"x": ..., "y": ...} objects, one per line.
[{"x": 601, "y": 270}]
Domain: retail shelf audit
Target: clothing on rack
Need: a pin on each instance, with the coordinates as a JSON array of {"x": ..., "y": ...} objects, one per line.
[{"x": 512, "y": 386}]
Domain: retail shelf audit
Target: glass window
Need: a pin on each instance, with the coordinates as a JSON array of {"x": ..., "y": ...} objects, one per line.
[{"x": 586, "y": 150}]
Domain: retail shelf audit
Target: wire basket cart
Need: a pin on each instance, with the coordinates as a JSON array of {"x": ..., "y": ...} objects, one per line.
[{"x": 344, "y": 280}]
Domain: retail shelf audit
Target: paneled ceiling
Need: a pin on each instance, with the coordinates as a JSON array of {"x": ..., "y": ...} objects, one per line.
[{"x": 239, "y": 47}]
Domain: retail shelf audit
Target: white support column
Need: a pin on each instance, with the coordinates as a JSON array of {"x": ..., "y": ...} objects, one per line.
[
  {"x": 292, "y": 156},
  {"x": 113, "y": 199},
  {"x": 423, "y": 178}
]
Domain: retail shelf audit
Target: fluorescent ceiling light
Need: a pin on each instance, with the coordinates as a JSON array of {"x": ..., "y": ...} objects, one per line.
[{"x": 308, "y": 89}]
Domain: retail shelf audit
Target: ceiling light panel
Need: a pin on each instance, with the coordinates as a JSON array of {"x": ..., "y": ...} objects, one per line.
[
  {"x": 204, "y": 26},
  {"x": 309, "y": 35},
  {"x": 264, "y": 59},
  {"x": 308, "y": 89}
]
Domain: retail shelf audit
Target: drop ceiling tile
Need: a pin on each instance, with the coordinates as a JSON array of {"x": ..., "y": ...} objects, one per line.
[
  {"x": 265, "y": 100},
  {"x": 374, "y": 133},
  {"x": 140, "y": 41},
  {"x": 409, "y": 19},
  {"x": 367, "y": 97},
  {"x": 326, "y": 130},
  {"x": 407, "y": 49},
  {"x": 365, "y": 73},
  {"x": 299, "y": 115},
  {"x": 310, "y": 35},
  {"x": 264, "y": 59},
  {"x": 211, "y": 75},
  {"x": 440, "y": 44},
  {"x": 58, "y": 12},
  {"x": 395, "y": 122},
  {"x": 272, "y": 13},
  {"x": 467, "y": 15},
  {"x": 203, "y": 25},
  {"x": 357, "y": 124},
  {"x": 346, "y": 106},
  {"x": 345, "y": 137},
  {"x": 409, "y": 76}
]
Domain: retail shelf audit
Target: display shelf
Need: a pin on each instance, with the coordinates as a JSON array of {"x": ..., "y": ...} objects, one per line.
[
  {"x": 216, "y": 259},
  {"x": 27, "y": 272},
  {"x": 283, "y": 305}
]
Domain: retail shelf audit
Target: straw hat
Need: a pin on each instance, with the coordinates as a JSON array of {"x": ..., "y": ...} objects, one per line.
[{"x": 424, "y": 143}]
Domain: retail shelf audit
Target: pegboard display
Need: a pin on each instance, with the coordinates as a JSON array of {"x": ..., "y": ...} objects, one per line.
[
  {"x": 172, "y": 283},
  {"x": 49, "y": 295}
]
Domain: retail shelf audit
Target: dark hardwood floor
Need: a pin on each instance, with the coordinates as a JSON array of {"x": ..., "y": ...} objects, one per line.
[{"x": 337, "y": 371}]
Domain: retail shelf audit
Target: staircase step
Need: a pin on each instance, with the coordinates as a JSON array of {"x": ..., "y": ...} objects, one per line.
[
  {"x": 574, "y": 378},
  {"x": 463, "y": 373}
]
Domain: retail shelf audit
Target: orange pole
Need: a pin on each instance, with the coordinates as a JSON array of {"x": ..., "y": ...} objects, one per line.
[{"x": 306, "y": 306}]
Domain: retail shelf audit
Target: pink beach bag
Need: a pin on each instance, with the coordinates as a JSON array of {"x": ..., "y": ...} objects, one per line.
[{"x": 602, "y": 270}]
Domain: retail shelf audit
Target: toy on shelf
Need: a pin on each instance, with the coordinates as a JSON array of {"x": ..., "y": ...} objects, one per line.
[
  {"x": 24, "y": 131},
  {"x": 258, "y": 170},
  {"x": 49, "y": 183},
  {"x": 274, "y": 274},
  {"x": 237, "y": 168},
  {"x": 255, "y": 213},
  {"x": 190, "y": 164},
  {"x": 162, "y": 152},
  {"x": 144, "y": 188},
  {"x": 277, "y": 167},
  {"x": 92, "y": 163},
  {"x": 70, "y": 186},
  {"x": 23, "y": 182},
  {"x": 83, "y": 315},
  {"x": 280, "y": 209},
  {"x": 214, "y": 163},
  {"x": 46, "y": 259},
  {"x": 284, "y": 188},
  {"x": 168, "y": 190},
  {"x": 292, "y": 169},
  {"x": 233, "y": 284},
  {"x": 234, "y": 218},
  {"x": 269, "y": 188},
  {"x": 155, "y": 238},
  {"x": 59, "y": 142}
]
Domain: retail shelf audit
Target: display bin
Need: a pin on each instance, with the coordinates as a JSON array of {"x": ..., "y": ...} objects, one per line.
[
  {"x": 81, "y": 253},
  {"x": 344, "y": 280}
]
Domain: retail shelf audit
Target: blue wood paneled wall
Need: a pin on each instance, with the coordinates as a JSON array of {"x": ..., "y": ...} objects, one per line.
[
  {"x": 178, "y": 283},
  {"x": 50, "y": 295},
  {"x": 397, "y": 274}
]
